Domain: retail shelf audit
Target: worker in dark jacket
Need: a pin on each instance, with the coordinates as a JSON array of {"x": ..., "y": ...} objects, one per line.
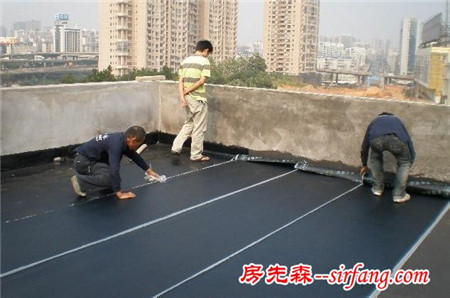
[
  {"x": 387, "y": 133},
  {"x": 97, "y": 162}
]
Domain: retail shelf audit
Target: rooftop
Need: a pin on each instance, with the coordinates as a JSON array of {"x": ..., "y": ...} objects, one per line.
[{"x": 191, "y": 236}]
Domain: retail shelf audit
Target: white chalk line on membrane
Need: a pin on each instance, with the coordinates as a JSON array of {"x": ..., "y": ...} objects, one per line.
[
  {"x": 104, "y": 196},
  {"x": 152, "y": 222},
  {"x": 254, "y": 243},
  {"x": 416, "y": 245}
]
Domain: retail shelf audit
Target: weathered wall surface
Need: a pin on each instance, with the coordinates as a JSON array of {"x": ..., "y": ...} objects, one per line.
[
  {"x": 314, "y": 126},
  {"x": 46, "y": 117},
  {"x": 305, "y": 125}
]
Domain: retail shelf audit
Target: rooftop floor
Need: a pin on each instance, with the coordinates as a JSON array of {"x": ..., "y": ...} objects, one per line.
[{"x": 191, "y": 236}]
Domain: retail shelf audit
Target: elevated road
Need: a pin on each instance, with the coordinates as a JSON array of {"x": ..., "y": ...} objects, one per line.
[
  {"x": 362, "y": 76},
  {"x": 44, "y": 70}
]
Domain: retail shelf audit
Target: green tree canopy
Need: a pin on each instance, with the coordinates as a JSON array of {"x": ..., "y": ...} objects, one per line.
[
  {"x": 101, "y": 76},
  {"x": 249, "y": 72}
]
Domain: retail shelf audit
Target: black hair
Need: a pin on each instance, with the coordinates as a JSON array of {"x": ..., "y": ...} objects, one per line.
[
  {"x": 203, "y": 45},
  {"x": 386, "y": 113},
  {"x": 136, "y": 132}
]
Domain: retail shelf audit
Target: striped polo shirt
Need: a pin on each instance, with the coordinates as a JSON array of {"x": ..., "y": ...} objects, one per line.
[{"x": 191, "y": 70}]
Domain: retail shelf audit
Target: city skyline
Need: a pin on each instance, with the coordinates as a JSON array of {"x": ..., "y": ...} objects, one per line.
[{"x": 364, "y": 20}]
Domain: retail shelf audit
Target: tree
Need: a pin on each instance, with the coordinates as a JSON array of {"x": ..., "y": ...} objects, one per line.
[
  {"x": 68, "y": 79},
  {"x": 169, "y": 73},
  {"x": 131, "y": 76},
  {"x": 101, "y": 76},
  {"x": 249, "y": 72}
]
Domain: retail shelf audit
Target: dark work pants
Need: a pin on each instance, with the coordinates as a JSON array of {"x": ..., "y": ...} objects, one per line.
[
  {"x": 92, "y": 176},
  {"x": 400, "y": 151}
]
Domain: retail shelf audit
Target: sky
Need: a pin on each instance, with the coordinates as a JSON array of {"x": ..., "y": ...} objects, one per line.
[{"x": 364, "y": 19}]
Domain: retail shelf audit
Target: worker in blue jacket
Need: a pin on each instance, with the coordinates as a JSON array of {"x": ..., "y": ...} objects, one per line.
[
  {"x": 97, "y": 162},
  {"x": 387, "y": 133}
]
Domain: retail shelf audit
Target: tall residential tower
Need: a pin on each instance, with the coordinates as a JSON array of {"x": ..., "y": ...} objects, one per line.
[
  {"x": 156, "y": 33},
  {"x": 409, "y": 41},
  {"x": 291, "y": 31}
]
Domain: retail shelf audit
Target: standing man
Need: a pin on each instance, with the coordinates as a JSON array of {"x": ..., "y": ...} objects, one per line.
[
  {"x": 193, "y": 73},
  {"x": 387, "y": 133},
  {"x": 97, "y": 162}
]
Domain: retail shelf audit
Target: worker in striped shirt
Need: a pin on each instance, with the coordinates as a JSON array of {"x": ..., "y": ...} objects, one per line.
[{"x": 193, "y": 72}]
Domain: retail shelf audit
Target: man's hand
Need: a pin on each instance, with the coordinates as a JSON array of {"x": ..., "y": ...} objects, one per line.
[
  {"x": 363, "y": 171},
  {"x": 183, "y": 101},
  {"x": 125, "y": 195},
  {"x": 150, "y": 172}
]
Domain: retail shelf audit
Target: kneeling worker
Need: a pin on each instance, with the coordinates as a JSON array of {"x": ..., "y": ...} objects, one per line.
[
  {"x": 97, "y": 162},
  {"x": 387, "y": 133}
]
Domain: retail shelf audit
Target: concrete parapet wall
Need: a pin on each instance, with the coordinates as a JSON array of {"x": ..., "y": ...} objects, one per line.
[
  {"x": 314, "y": 126},
  {"x": 46, "y": 117},
  {"x": 304, "y": 125}
]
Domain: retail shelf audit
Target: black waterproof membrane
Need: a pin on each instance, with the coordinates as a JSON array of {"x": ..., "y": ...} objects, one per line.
[
  {"x": 196, "y": 234},
  {"x": 414, "y": 185}
]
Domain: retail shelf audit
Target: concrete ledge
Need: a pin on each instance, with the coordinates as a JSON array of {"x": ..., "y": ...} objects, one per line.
[
  {"x": 317, "y": 127},
  {"x": 150, "y": 78},
  {"x": 45, "y": 117}
]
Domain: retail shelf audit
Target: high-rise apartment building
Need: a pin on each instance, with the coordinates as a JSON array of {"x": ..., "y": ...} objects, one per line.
[
  {"x": 409, "y": 41},
  {"x": 432, "y": 71},
  {"x": 291, "y": 30},
  {"x": 156, "y": 33},
  {"x": 65, "y": 39}
]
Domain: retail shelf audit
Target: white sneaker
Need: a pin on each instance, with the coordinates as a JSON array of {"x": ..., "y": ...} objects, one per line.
[
  {"x": 377, "y": 192},
  {"x": 405, "y": 198}
]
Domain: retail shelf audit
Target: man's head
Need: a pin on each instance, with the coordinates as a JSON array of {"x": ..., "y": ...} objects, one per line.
[
  {"x": 204, "y": 48},
  {"x": 134, "y": 137}
]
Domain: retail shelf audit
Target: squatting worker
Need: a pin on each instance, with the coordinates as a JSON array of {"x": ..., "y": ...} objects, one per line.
[
  {"x": 97, "y": 162},
  {"x": 193, "y": 72},
  {"x": 387, "y": 133}
]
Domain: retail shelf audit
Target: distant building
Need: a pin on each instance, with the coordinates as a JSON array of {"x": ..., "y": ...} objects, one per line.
[
  {"x": 254, "y": 48},
  {"x": 329, "y": 63},
  {"x": 3, "y": 31},
  {"x": 156, "y": 33},
  {"x": 392, "y": 59},
  {"x": 335, "y": 56},
  {"x": 358, "y": 58},
  {"x": 6, "y": 44},
  {"x": 46, "y": 40},
  {"x": 89, "y": 41},
  {"x": 330, "y": 49},
  {"x": 291, "y": 30},
  {"x": 409, "y": 41},
  {"x": 378, "y": 47},
  {"x": 432, "y": 73},
  {"x": 65, "y": 39},
  {"x": 27, "y": 26},
  {"x": 346, "y": 39}
]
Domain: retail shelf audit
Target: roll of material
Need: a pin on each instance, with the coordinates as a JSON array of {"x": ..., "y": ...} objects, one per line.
[
  {"x": 161, "y": 178},
  {"x": 414, "y": 185},
  {"x": 142, "y": 148}
]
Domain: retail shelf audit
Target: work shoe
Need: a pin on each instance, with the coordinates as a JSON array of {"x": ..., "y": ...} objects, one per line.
[
  {"x": 176, "y": 160},
  {"x": 377, "y": 192},
  {"x": 405, "y": 198},
  {"x": 76, "y": 186}
]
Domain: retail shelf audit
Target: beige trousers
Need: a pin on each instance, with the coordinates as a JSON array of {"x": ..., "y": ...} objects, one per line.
[{"x": 194, "y": 127}]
